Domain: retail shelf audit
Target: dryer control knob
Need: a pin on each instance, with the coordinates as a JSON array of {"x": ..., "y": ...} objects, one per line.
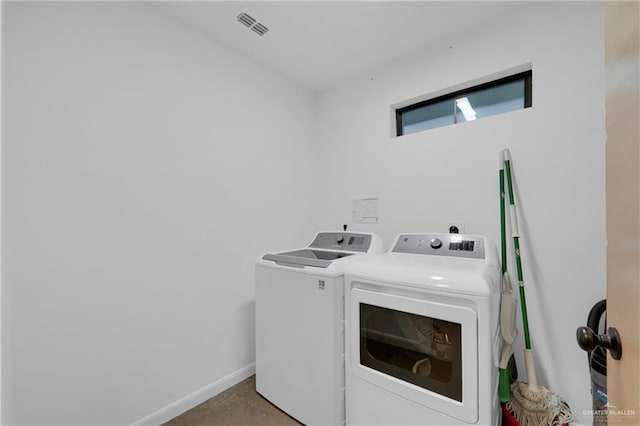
[
  {"x": 435, "y": 243},
  {"x": 340, "y": 240}
]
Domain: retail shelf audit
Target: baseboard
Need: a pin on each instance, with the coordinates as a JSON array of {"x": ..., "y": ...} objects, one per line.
[{"x": 198, "y": 397}]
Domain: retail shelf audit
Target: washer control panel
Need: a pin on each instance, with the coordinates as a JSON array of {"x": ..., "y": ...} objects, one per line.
[
  {"x": 351, "y": 241},
  {"x": 455, "y": 245}
]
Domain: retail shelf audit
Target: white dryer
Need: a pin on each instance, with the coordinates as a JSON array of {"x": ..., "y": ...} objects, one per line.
[
  {"x": 300, "y": 325},
  {"x": 422, "y": 333}
]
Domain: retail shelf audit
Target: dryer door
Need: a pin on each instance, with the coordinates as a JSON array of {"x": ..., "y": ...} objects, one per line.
[{"x": 421, "y": 350}]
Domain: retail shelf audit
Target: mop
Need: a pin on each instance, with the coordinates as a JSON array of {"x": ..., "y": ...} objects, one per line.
[{"x": 530, "y": 404}]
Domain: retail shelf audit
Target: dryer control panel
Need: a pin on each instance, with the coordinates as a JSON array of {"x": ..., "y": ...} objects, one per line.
[
  {"x": 351, "y": 241},
  {"x": 455, "y": 245}
]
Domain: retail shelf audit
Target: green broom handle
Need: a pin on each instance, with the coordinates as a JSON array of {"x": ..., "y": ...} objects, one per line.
[
  {"x": 516, "y": 246},
  {"x": 523, "y": 299},
  {"x": 503, "y": 226}
]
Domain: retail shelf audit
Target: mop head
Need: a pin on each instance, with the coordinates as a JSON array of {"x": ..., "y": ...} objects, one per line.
[{"x": 537, "y": 407}]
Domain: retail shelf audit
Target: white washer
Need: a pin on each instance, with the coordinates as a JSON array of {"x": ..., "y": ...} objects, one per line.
[
  {"x": 422, "y": 333},
  {"x": 300, "y": 325}
]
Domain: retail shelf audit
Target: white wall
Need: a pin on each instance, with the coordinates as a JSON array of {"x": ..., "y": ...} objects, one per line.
[
  {"x": 142, "y": 161},
  {"x": 451, "y": 173},
  {"x": 144, "y": 168}
]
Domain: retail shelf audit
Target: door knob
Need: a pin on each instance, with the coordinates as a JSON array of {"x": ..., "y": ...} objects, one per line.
[{"x": 589, "y": 340}]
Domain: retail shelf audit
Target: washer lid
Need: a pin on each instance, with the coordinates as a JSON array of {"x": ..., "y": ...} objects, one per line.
[{"x": 306, "y": 257}]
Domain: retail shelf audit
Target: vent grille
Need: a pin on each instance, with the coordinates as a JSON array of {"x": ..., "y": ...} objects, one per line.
[
  {"x": 260, "y": 29},
  {"x": 251, "y": 23},
  {"x": 246, "y": 19}
]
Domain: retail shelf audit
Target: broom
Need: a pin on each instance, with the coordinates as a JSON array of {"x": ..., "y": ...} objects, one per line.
[
  {"x": 508, "y": 306},
  {"x": 530, "y": 404}
]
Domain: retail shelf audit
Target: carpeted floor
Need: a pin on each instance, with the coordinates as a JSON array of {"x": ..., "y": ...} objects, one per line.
[{"x": 239, "y": 405}]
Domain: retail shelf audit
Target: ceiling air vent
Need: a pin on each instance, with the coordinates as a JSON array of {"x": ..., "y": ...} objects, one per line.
[
  {"x": 260, "y": 29},
  {"x": 251, "y": 23},
  {"x": 246, "y": 19}
]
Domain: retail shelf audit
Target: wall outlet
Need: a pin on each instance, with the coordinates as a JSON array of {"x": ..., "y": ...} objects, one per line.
[{"x": 454, "y": 225}]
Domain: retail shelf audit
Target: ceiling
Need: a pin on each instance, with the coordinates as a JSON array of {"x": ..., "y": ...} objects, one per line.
[{"x": 318, "y": 44}]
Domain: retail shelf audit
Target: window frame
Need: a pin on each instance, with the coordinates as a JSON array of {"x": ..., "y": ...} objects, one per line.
[{"x": 527, "y": 76}]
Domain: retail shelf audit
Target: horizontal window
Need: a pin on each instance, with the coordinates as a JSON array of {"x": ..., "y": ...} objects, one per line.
[{"x": 495, "y": 97}]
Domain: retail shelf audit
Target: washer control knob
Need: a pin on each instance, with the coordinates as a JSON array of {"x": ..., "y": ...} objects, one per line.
[
  {"x": 340, "y": 240},
  {"x": 436, "y": 243}
]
